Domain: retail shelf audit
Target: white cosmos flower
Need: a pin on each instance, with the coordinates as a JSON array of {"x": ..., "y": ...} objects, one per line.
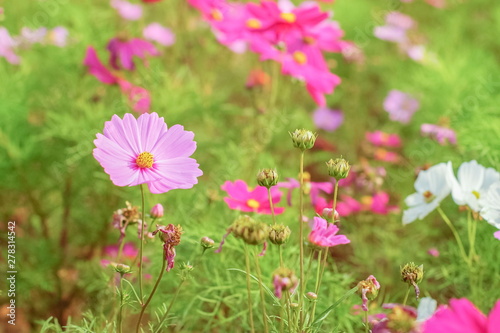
[
  {"x": 432, "y": 187},
  {"x": 490, "y": 204},
  {"x": 473, "y": 182}
]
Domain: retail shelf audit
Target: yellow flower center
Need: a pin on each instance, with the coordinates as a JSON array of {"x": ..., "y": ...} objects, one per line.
[
  {"x": 288, "y": 17},
  {"x": 476, "y": 194},
  {"x": 253, "y": 23},
  {"x": 216, "y": 14},
  {"x": 144, "y": 160},
  {"x": 309, "y": 40},
  {"x": 252, "y": 203},
  {"x": 299, "y": 57},
  {"x": 367, "y": 200},
  {"x": 428, "y": 196}
]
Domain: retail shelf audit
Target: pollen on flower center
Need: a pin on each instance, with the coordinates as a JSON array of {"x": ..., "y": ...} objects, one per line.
[
  {"x": 216, "y": 14},
  {"x": 252, "y": 203},
  {"x": 428, "y": 196},
  {"x": 299, "y": 57},
  {"x": 288, "y": 17},
  {"x": 476, "y": 194},
  {"x": 367, "y": 200},
  {"x": 309, "y": 40},
  {"x": 145, "y": 160},
  {"x": 254, "y": 23}
]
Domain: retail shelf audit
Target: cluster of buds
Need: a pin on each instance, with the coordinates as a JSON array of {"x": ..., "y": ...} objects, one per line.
[
  {"x": 170, "y": 235},
  {"x": 284, "y": 279},
  {"x": 368, "y": 290},
  {"x": 338, "y": 168},
  {"x": 279, "y": 234},
  {"x": 303, "y": 139},
  {"x": 267, "y": 178},
  {"x": 251, "y": 231},
  {"x": 413, "y": 275}
]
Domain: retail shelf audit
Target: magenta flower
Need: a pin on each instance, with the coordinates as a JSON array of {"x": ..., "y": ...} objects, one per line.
[
  {"x": 378, "y": 204},
  {"x": 123, "y": 52},
  {"x": 243, "y": 198},
  {"x": 129, "y": 250},
  {"x": 379, "y": 138},
  {"x": 496, "y": 234},
  {"x": 462, "y": 316},
  {"x": 7, "y": 46},
  {"x": 127, "y": 10},
  {"x": 158, "y": 33},
  {"x": 382, "y": 154},
  {"x": 328, "y": 119},
  {"x": 324, "y": 234},
  {"x": 400, "y": 106},
  {"x": 345, "y": 206},
  {"x": 442, "y": 135},
  {"x": 144, "y": 151}
]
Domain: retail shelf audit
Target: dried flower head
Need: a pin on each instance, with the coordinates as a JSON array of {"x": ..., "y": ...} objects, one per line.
[
  {"x": 413, "y": 275},
  {"x": 279, "y": 234},
  {"x": 171, "y": 237},
  {"x": 368, "y": 290}
]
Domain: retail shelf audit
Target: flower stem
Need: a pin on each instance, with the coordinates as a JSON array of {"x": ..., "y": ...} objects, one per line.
[
  {"x": 120, "y": 310},
  {"x": 335, "y": 200},
  {"x": 262, "y": 298},
  {"x": 301, "y": 239},
  {"x": 319, "y": 277},
  {"x": 143, "y": 216},
  {"x": 271, "y": 204},
  {"x": 455, "y": 233},
  {"x": 164, "y": 317},
  {"x": 366, "y": 321},
  {"x": 145, "y": 305},
  {"x": 472, "y": 224},
  {"x": 250, "y": 311},
  {"x": 406, "y": 295},
  {"x": 280, "y": 249}
]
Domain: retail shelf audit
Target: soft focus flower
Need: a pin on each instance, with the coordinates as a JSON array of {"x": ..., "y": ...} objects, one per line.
[
  {"x": 58, "y": 36},
  {"x": 328, "y": 119},
  {"x": 490, "y": 204},
  {"x": 7, "y": 45},
  {"x": 368, "y": 290},
  {"x": 443, "y": 135},
  {"x": 129, "y": 250},
  {"x": 257, "y": 78},
  {"x": 171, "y": 237},
  {"x": 432, "y": 187},
  {"x": 127, "y": 10},
  {"x": 158, "y": 33},
  {"x": 378, "y": 203},
  {"x": 157, "y": 211},
  {"x": 400, "y": 106},
  {"x": 346, "y": 205},
  {"x": 462, "y": 316},
  {"x": 144, "y": 151},
  {"x": 379, "y": 138},
  {"x": 472, "y": 184},
  {"x": 324, "y": 234},
  {"x": 313, "y": 189},
  {"x": 32, "y": 36},
  {"x": 496, "y": 234},
  {"x": 395, "y": 28},
  {"x": 123, "y": 52},
  {"x": 284, "y": 279},
  {"x": 401, "y": 319},
  {"x": 243, "y": 198},
  {"x": 382, "y": 154},
  {"x": 433, "y": 252}
]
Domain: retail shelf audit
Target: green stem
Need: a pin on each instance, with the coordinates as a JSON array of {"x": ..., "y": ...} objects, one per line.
[
  {"x": 120, "y": 311},
  {"x": 472, "y": 235},
  {"x": 319, "y": 277},
  {"x": 406, "y": 295},
  {"x": 250, "y": 311},
  {"x": 143, "y": 216},
  {"x": 280, "y": 249},
  {"x": 262, "y": 298},
  {"x": 271, "y": 204},
  {"x": 455, "y": 233},
  {"x": 335, "y": 200},
  {"x": 301, "y": 239},
  {"x": 165, "y": 315},
  {"x": 145, "y": 305}
]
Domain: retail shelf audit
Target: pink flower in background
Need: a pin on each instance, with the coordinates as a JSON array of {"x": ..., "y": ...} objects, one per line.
[
  {"x": 313, "y": 189},
  {"x": 32, "y": 36},
  {"x": 243, "y": 198},
  {"x": 324, "y": 234},
  {"x": 496, "y": 234},
  {"x": 158, "y": 33},
  {"x": 346, "y": 205},
  {"x": 129, "y": 250},
  {"x": 97, "y": 69},
  {"x": 433, "y": 252},
  {"x": 378, "y": 204},
  {"x": 382, "y": 154},
  {"x": 379, "y": 138},
  {"x": 123, "y": 52},
  {"x": 138, "y": 97},
  {"x": 400, "y": 106},
  {"x": 395, "y": 28},
  {"x": 127, "y": 10},
  {"x": 442, "y": 135},
  {"x": 328, "y": 119},
  {"x": 7, "y": 46},
  {"x": 58, "y": 36},
  {"x": 462, "y": 316},
  {"x": 144, "y": 151}
]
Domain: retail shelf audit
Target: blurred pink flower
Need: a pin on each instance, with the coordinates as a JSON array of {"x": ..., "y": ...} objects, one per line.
[
  {"x": 144, "y": 151},
  {"x": 378, "y": 204},
  {"x": 395, "y": 28},
  {"x": 433, "y": 252},
  {"x": 379, "y": 138},
  {"x": 243, "y": 198},
  {"x": 7, "y": 46},
  {"x": 122, "y": 52},
  {"x": 442, "y": 135},
  {"x": 462, "y": 316},
  {"x": 382, "y": 154},
  {"x": 127, "y": 10},
  {"x": 158, "y": 33},
  {"x": 346, "y": 205},
  {"x": 129, "y": 250},
  {"x": 400, "y": 106},
  {"x": 97, "y": 69},
  {"x": 324, "y": 234},
  {"x": 32, "y": 36},
  {"x": 496, "y": 234},
  {"x": 58, "y": 36},
  {"x": 138, "y": 97},
  {"x": 328, "y": 119},
  {"x": 313, "y": 189}
]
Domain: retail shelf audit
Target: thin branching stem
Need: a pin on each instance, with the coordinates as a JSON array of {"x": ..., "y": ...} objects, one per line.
[
  {"x": 145, "y": 305},
  {"x": 250, "y": 310},
  {"x": 301, "y": 239},
  {"x": 143, "y": 216}
]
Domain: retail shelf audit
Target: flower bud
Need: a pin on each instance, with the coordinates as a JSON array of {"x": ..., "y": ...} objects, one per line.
[
  {"x": 267, "y": 178},
  {"x": 121, "y": 268},
  {"x": 413, "y": 275},
  {"x": 338, "y": 168},
  {"x": 251, "y": 231},
  {"x": 303, "y": 139},
  {"x": 279, "y": 234},
  {"x": 207, "y": 243},
  {"x": 327, "y": 214},
  {"x": 157, "y": 211},
  {"x": 284, "y": 279},
  {"x": 185, "y": 271},
  {"x": 311, "y": 296},
  {"x": 368, "y": 290}
]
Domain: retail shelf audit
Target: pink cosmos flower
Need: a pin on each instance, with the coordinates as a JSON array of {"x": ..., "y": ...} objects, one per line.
[
  {"x": 144, "y": 151},
  {"x": 395, "y": 28},
  {"x": 378, "y": 204},
  {"x": 138, "y": 97},
  {"x": 324, "y": 234},
  {"x": 328, "y": 119},
  {"x": 127, "y": 10},
  {"x": 462, "y": 316},
  {"x": 379, "y": 138},
  {"x": 433, "y": 252},
  {"x": 400, "y": 106},
  {"x": 313, "y": 189},
  {"x": 442, "y": 135},
  {"x": 243, "y": 198},
  {"x": 345, "y": 206},
  {"x": 122, "y": 52},
  {"x": 32, "y": 36},
  {"x": 129, "y": 250},
  {"x": 58, "y": 36},
  {"x": 158, "y": 33},
  {"x": 382, "y": 154},
  {"x": 496, "y": 234},
  {"x": 7, "y": 46}
]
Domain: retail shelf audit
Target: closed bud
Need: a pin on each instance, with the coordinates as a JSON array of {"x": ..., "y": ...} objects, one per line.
[
  {"x": 338, "y": 168},
  {"x": 368, "y": 290},
  {"x": 267, "y": 178},
  {"x": 303, "y": 139},
  {"x": 185, "y": 271},
  {"x": 311, "y": 296},
  {"x": 207, "y": 243},
  {"x": 252, "y": 232},
  {"x": 121, "y": 268},
  {"x": 327, "y": 214},
  {"x": 279, "y": 234},
  {"x": 157, "y": 211},
  {"x": 413, "y": 275}
]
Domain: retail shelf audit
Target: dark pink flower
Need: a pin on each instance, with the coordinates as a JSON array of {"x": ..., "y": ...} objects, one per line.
[
  {"x": 97, "y": 69},
  {"x": 328, "y": 119},
  {"x": 379, "y": 138},
  {"x": 378, "y": 204},
  {"x": 129, "y": 250},
  {"x": 442, "y": 135},
  {"x": 400, "y": 106},
  {"x": 138, "y": 97},
  {"x": 324, "y": 234},
  {"x": 243, "y": 198},
  {"x": 123, "y": 52}
]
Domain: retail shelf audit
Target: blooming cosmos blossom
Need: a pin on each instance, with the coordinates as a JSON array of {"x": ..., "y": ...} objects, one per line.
[
  {"x": 7, "y": 47},
  {"x": 441, "y": 134},
  {"x": 144, "y": 151},
  {"x": 462, "y": 316},
  {"x": 58, "y": 36},
  {"x": 382, "y": 154},
  {"x": 472, "y": 183},
  {"x": 379, "y": 138},
  {"x": 313, "y": 189},
  {"x": 127, "y": 10},
  {"x": 400, "y": 106},
  {"x": 324, "y": 234},
  {"x": 432, "y": 187},
  {"x": 328, "y": 119},
  {"x": 378, "y": 203},
  {"x": 490, "y": 204},
  {"x": 122, "y": 52},
  {"x": 243, "y": 198},
  {"x": 395, "y": 28},
  {"x": 158, "y": 33}
]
